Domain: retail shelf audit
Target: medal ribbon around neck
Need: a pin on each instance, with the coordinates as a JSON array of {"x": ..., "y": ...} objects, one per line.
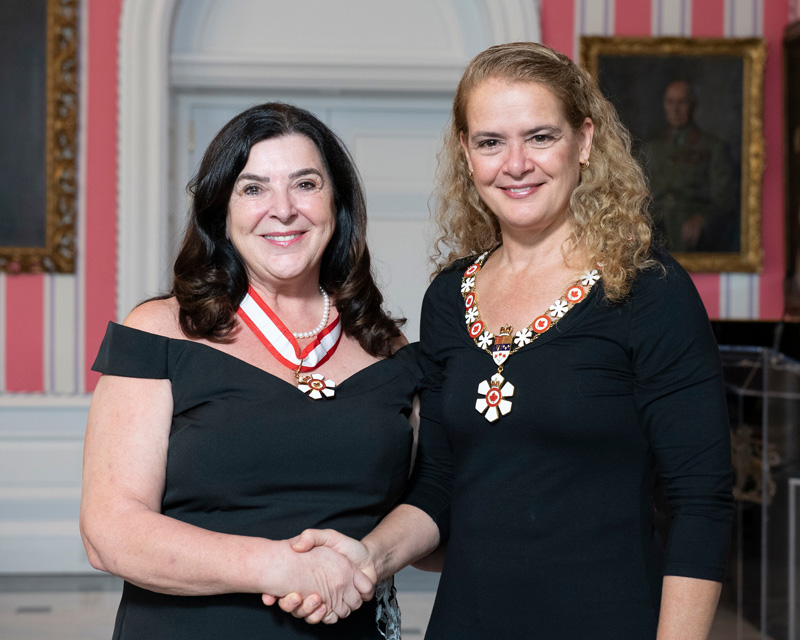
[
  {"x": 496, "y": 391},
  {"x": 280, "y": 342}
]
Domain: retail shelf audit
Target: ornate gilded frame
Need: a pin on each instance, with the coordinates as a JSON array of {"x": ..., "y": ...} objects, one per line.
[
  {"x": 600, "y": 54},
  {"x": 58, "y": 254}
]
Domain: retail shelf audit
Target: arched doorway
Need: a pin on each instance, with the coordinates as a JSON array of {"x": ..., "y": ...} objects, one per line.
[{"x": 394, "y": 62}]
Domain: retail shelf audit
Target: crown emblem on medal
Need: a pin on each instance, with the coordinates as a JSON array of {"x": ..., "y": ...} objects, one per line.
[{"x": 502, "y": 344}]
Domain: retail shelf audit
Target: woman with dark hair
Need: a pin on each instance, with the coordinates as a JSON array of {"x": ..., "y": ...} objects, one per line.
[
  {"x": 567, "y": 361},
  {"x": 217, "y": 432}
]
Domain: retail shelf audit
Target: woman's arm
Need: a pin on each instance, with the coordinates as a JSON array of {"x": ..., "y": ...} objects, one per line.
[
  {"x": 406, "y": 535},
  {"x": 681, "y": 405},
  {"x": 687, "y": 608},
  {"x": 125, "y": 534},
  {"x": 124, "y": 531}
]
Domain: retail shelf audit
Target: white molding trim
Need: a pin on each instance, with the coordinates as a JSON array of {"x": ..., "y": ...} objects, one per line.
[
  {"x": 48, "y": 401},
  {"x": 514, "y": 20},
  {"x": 200, "y": 72},
  {"x": 144, "y": 90},
  {"x": 47, "y": 421},
  {"x": 143, "y": 150}
]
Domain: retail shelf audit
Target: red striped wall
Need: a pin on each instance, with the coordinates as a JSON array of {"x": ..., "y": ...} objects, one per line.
[
  {"x": 708, "y": 19},
  {"x": 101, "y": 176},
  {"x": 24, "y": 309},
  {"x": 557, "y": 18},
  {"x": 773, "y": 235},
  {"x": 24, "y": 304},
  {"x": 632, "y": 18}
]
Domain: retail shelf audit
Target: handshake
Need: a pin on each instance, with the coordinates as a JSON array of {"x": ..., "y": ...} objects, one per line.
[{"x": 331, "y": 575}]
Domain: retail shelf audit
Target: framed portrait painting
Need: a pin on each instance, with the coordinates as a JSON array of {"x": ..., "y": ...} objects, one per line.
[
  {"x": 38, "y": 135},
  {"x": 693, "y": 107}
]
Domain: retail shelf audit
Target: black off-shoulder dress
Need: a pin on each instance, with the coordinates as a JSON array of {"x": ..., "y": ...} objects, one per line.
[{"x": 251, "y": 455}]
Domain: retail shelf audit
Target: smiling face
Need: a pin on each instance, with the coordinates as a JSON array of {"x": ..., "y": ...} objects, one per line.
[
  {"x": 281, "y": 212},
  {"x": 524, "y": 154}
]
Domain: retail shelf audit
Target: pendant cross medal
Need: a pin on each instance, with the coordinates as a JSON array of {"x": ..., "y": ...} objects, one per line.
[
  {"x": 496, "y": 390},
  {"x": 314, "y": 385}
]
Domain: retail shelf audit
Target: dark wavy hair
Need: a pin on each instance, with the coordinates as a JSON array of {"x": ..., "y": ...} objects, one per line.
[{"x": 210, "y": 279}]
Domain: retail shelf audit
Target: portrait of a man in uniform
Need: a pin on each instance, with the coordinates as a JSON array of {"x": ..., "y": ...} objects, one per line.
[
  {"x": 685, "y": 117},
  {"x": 693, "y": 107},
  {"x": 694, "y": 182}
]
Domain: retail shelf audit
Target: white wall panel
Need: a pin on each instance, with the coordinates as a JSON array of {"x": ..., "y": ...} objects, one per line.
[
  {"x": 671, "y": 17},
  {"x": 42, "y": 546},
  {"x": 743, "y": 18},
  {"x": 738, "y": 296},
  {"x": 399, "y": 251},
  {"x": 594, "y": 17},
  {"x": 41, "y": 446},
  {"x": 395, "y": 149},
  {"x": 40, "y": 463},
  {"x": 315, "y": 30},
  {"x": 61, "y": 339}
]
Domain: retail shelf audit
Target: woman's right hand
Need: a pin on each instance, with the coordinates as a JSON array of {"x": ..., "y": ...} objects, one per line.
[
  {"x": 317, "y": 607},
  {"x": 333, "y": 583},
  {"x": 403, "y": 537}
]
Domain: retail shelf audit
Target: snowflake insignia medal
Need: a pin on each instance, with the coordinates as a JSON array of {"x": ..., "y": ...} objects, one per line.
[
  {"x": 316, "y": 386},
  {"x": 496, "y": 392}
]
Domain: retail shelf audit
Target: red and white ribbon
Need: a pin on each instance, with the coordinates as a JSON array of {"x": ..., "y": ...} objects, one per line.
[{"x": 280, "y": 342}]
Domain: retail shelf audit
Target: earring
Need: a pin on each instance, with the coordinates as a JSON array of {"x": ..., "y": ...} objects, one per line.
[
  {"x": 585, "y": 165},
  {"x": 471, "y": 172}
]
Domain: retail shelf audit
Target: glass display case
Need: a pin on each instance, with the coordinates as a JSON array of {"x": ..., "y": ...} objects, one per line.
[{"x": 763, "y": 584}]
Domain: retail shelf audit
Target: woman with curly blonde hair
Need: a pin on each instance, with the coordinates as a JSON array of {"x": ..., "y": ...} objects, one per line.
[
  {"x": 607, "y": 209},
  {"x": 567, "y": 362}
]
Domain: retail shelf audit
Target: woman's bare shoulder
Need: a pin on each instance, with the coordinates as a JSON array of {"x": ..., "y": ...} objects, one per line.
[{"x": 156, "y": 316}]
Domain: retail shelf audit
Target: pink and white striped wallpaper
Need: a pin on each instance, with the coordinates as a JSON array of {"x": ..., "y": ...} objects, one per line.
[{"x": 51, "y": 325}]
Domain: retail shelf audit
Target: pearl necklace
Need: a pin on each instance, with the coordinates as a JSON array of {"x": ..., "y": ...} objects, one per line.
[
  {"x": 495, "y": 393},
  {"x": 282, "y": 344},
  {"x": 325, "y": 313}
]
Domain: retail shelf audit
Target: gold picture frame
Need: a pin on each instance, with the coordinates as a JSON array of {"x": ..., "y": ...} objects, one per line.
[
  {"x": 703, "y": 150},
  {"x": 54, "y": 249}
]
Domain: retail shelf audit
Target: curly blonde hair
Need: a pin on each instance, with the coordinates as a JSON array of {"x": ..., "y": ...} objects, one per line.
[{"x": 609, "y": 207}]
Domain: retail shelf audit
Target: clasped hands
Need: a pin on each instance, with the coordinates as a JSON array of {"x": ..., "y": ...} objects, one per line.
[{"x": 337, "y": 589}]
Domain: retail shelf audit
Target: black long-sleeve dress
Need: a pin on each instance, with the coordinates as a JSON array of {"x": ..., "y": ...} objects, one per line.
[
  {"x": 550, "y": 509},
  {"x": 252, "y": 455}
]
